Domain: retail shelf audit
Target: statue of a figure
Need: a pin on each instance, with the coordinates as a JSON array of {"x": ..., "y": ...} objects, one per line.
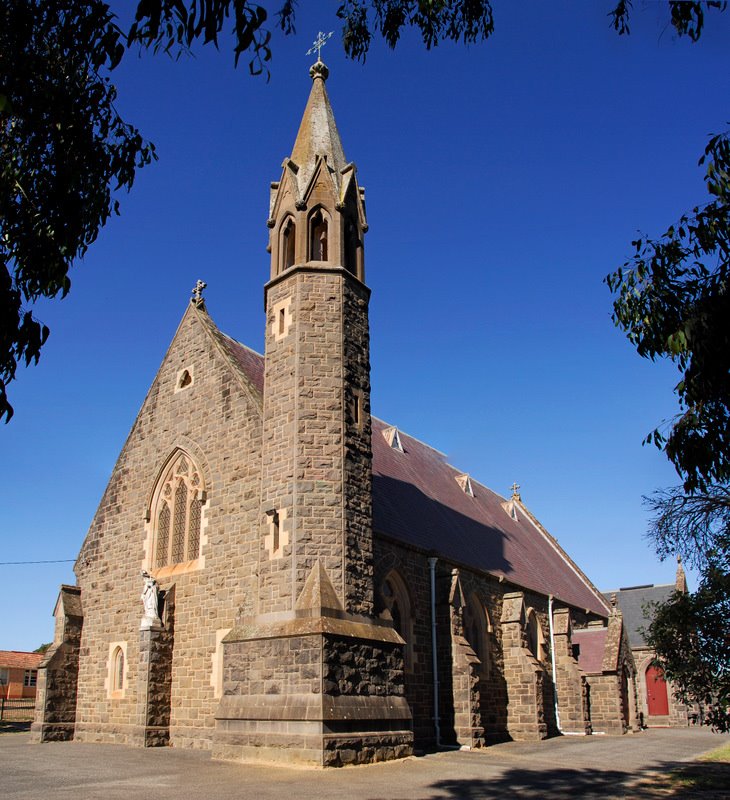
[{"x": 151, "y": 602}]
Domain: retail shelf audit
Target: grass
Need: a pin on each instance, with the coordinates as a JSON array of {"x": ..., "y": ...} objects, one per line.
[
  {"x": 719, "y": 755},
  {"x": 708, "y": 778}
]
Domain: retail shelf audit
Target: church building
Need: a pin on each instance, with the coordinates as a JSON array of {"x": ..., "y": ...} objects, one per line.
[{"x": 274, "y": 575}]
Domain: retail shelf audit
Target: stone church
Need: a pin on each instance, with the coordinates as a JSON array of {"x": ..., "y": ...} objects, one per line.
[{"x": 318, "y": 587}]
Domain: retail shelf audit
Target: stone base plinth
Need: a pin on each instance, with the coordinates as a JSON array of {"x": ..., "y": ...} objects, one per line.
[
  {"x": 51, "y": 732},
  {"x": 321, "y": 692},
  {"x": 310, "y": 744}
]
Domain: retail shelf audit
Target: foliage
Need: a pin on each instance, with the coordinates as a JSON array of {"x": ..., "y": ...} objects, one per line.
[
  {"x": 691, "y": 637},
  {"x": 695, "y": 527},
  {"x": 687, "y": 17},
  {"x": 690, "y": 632},
  {"x": 174, "y": 25},
  {"x": 63, "y": 149},
  {"x": 43, "y": 647},
  {"x": 674, "y": 302}
]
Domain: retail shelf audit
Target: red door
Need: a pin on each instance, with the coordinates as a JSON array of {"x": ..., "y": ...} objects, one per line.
[{"x": 656, "y": 692}]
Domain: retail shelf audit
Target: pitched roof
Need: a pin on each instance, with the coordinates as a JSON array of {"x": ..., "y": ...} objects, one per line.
[
  {"x": 16, "y": 659},
  {"x": 417, "y": 500},
  {"x": 592, "y": 642},
  {"x": 632, "y": 602},
  {"x": 249, "y": 361}
]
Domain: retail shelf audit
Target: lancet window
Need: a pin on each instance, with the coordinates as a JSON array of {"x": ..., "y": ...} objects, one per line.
[
  {"x": 398, "y": 602},
  {"x": 118, "y": 670},
  {"x": 318, "y": 237},
  {"x": 477, "y": 630},
  {"x": 353, "y": 249},
  {"x": 288, "y": 244},
  {"x": 178, "y": 513}
]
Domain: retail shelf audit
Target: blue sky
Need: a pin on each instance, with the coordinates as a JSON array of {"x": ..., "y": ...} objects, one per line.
[{"x": 503, "y": 182}]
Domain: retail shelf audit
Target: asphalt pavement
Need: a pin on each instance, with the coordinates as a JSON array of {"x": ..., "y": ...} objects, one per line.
[{"x": 569, "y": 766}]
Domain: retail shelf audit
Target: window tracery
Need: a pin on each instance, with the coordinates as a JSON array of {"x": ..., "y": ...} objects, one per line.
[{"x": 179, "y": 513}]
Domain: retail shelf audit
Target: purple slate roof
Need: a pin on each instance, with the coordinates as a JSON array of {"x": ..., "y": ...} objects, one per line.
[
  {"x": 251, "y": 362},
  {"x": 592, "y": 643},
  {"x": 418, "y": 501}
]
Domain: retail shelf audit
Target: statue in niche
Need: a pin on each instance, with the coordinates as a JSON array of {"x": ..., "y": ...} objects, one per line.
[{"x": 151, "y": 600}]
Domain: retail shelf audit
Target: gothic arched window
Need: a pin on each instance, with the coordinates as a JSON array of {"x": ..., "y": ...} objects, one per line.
[
  {"x": 177, "y": 513},
  {"x": 477, "y": 629},
  {"x": 318, "y": 244},
  {"x": 117, "y": 678},
  {"x": 353, "y": 248},
  {"x": 118, "y": 670},
  {"x": 398, "y": 602},
  {"x": 287, "y": 244}
]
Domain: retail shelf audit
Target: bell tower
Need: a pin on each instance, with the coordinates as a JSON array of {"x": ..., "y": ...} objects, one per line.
[
  {"x": 316, "y": 468},
  {"x": 313, "y": 677}
]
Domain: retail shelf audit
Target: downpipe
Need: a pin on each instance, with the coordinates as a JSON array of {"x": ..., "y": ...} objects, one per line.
[
  {"x": 555, "y": 676},
  {"x": 552, "y": 658},
  {"x": 434, "y": 654}
]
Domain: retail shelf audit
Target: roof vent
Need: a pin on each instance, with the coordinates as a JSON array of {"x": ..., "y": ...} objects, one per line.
[
  {"x": 392, "y": 437},
  {"x": 465, "y": 482}
]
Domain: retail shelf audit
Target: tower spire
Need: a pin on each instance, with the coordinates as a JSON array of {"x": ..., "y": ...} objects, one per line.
[{"x": 318, "y": 135}]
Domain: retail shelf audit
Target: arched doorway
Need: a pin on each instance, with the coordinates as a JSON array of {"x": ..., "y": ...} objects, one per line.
[{"x": 657, "y": 699}]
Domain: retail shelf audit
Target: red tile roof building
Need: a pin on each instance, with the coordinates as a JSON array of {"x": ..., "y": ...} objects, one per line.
[{"x": 18, "y": 673}]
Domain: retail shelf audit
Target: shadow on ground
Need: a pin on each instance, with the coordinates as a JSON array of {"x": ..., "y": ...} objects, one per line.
[
  {"x": 670, "y": 780},
  {"x": 14, "y": 727}
]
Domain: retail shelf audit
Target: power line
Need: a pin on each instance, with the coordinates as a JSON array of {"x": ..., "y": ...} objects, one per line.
[{"x": 55, "y": 561}]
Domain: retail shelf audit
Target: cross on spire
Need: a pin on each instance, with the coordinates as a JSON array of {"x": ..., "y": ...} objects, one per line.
[
  {"x": 319, "y": 43},
  {"x": 515, "y": 489},
  {"x": 198, "y": 292}
]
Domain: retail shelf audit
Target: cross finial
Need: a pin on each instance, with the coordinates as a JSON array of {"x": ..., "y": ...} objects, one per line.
[
  {"x": 515, "y": 490},
  {"x": 198, "y": 292},
  {"x": 319, "y": 43}
]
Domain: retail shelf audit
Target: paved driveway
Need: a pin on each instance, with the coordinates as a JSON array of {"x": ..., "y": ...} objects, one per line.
[{"x": 585, "y": 767}]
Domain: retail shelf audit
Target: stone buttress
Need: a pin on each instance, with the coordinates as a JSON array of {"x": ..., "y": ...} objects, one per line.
[{"x": 313, "y": 676}]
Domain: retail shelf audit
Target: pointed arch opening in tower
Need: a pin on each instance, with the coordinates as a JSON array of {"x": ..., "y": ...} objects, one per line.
[
  {"x": 353, "y": 249},
  {"x": 287, "y": 244},
  {"x": 318, "y": 237}
]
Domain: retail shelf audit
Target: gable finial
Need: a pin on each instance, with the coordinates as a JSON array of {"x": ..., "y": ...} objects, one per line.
[
  {"x": 198, "y": 292},
  {"x": 516, "y": 491}
]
